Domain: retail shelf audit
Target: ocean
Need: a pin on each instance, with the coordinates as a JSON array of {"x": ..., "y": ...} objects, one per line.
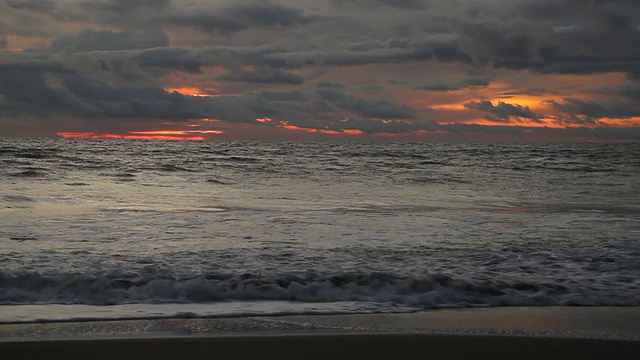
[{"x": 94, "y": 228}]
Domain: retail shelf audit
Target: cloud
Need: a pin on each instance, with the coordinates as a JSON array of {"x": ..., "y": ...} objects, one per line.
[
  {"x": 238, "y": 17},
  {"x": 605, "y": 41},
  {"x": 399, "y": 4},
  {"x": 222, "y": 17},
  {"x": 263, "y": 76},
  {"x": 334, "y": 94},
  {"x": 33, "y": 5},
  {"x": 629, "y": 90},
  {"x": 107, "y": 40},
  {"x": 592, "y": 110},
  {"x": 512, "y": 40},
  {"x": 43, "y": 93},
  {"x": 111, "y": 12},
  {"x": 441, "y": 47},
  {"x": 503, "y": 112},
  {"x": 43, "y": 86},
  {"x": 271, "y": 58},
  {"x": 316, "y": 59},
  {"x": 439, "y": 86}
]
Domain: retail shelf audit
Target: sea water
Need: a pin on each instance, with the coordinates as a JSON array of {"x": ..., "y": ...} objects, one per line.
[{"x": 126, "y": 228}]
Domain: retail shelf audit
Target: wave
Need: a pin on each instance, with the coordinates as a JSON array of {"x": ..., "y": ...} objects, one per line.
[
  {"x": 171, "y": 168},
  {"x": 30, "y": 173},
  {"x": 430, "y": 291}
]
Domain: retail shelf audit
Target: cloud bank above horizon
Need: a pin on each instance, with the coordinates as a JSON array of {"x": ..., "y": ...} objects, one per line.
[{"x": 492, "y": 70}]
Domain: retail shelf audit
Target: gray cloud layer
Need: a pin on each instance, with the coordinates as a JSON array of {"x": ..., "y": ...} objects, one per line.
[
  {"x": 503, "y": 112},
  {"x": 118, "y": 65}
]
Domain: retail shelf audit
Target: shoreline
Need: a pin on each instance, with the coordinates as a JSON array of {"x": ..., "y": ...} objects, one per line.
[
  {"x": 622, "y": 323},
  {"x": 327, "y": 346},
  {"x": 472, "y": 333}
]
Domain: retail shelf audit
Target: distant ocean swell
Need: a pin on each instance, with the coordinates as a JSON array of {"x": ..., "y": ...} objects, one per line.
[{"x": 430, "y": 291}]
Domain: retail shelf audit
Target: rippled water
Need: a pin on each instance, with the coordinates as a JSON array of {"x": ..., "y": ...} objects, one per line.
[{"x": 383, "y": 225}]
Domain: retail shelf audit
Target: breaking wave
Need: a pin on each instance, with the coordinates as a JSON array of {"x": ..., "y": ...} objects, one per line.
[{"x": 430, "y": 291}]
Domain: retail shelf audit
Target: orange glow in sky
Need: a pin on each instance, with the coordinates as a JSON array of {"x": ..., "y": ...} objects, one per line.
[
  {"x": 176, "y": 132},
  {"x": 286, "y": 125},
  {"x": 190, "y": 91},
  {"x": 145, "y": 135},
  {"x": 535, "y": 103},
  {"x": 630, "y": 122},
  {"x": 550, "y": 122}
]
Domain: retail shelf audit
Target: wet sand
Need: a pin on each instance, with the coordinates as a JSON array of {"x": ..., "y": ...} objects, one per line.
[{"x": 488, "y": 333}]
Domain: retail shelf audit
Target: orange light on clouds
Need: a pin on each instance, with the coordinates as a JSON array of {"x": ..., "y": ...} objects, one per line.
[
  {"x": 191, "y": 91},
  {"x": 551, "y": 122},
  {"x": 195, "y": 135},
  {"x": 353, "y": 132},
  {"x": 532, "y": 102},
  {"x": 286, "y": 125},
  {"x": 545, "y": 122},
  {"x": 177, "y": 132},
  {"x": 80, "y": 135},
  {"x": 630, "y": 122}
]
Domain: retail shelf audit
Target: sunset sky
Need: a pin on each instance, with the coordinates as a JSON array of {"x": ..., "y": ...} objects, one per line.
[{"x": 433, "y": 70}]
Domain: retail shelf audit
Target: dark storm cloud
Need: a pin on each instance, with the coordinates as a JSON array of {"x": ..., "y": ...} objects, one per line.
[
  {"x": 26, "y": 90},
  {"x": 263, "y": 76},
  {"x": 45, "y": 85},
  {"x": 502, "y": 112},
  {"x": 570, "y": 41},
  {"x": 581, "y": 66},
  {"x": 192, "y": 60},
  {"x": 319, "y": 109},
  {"x": 46, "y": 93},
  {"x": 238, "y": 17},
  {"x": 40, "y": 85},
  {"x": 511, "y": 40},
  {"x": 99, "y": 99},
  {"x": 371, "y": 108},
  {"x": 226, "y": 17},
  {"x": 596, "y": 110},
  {"x": 400, "y": 4},
  {"x": 107, "y": 40},
  {"x": 629, "y": 90},
  {"x": 113, "y": 12},
  {"x": 118, "y": 66},
  {"x": 33, "y": 5},
  {"x": 125, "y": 6},
  {"x": 31, "y": 62},
  {"x": 442, "y": 47},
  {"x": 459, "y": 85}
]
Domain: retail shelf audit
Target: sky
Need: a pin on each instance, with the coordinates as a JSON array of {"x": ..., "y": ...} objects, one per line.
[{"x": 418, "y": 70}]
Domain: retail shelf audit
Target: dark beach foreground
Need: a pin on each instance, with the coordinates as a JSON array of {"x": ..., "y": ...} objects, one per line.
[{"x": 489, "y": 333}]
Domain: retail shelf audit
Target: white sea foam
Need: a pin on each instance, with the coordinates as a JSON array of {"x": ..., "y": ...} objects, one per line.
[
  {"x": 67, "y": 312},
  {"x": 433, "y": 291}
]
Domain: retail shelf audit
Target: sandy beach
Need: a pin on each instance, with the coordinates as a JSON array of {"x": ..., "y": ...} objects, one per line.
[{"x": 487, "y": 333}]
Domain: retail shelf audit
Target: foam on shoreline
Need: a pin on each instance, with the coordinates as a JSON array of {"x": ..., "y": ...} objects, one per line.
[
  {"x": 490, "y": 333},
  {"x": 566, "y": 322}
]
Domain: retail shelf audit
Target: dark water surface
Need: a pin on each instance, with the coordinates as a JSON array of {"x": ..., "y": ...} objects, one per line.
[{"x": 304, "y": 227}]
